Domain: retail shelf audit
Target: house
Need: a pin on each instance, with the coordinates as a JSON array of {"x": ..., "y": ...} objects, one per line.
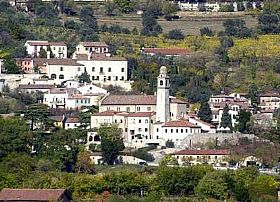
[
  {"x": 92, "y": 47},
  {"x": 72, "y": 123},
  {"x": 59, "y": 121},
  {"x": 59, "y": 49},
  {"x": 63, "y": 69},
  {"x": 167, "y": 52},
  {"x": 26, "y": 65},
  {"x": 44, "y": 195},
  {"x": 105, "y": 69},
  {"x": 33, "y": 88},
  {"x": 192, "y": 157},
  {"x": 205, "y": 127},
  {"x": 269, "y": 101}
]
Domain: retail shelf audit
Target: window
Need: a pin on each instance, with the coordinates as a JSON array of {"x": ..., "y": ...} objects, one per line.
[
  {"x": 77, "y": 101},
  {"x": 79, "y": 69},
  {"x": 165, "y": 130},
  {"x": 122, "y": 78},
  {"x": 101, "y": 69},
  {"x": 146, "y": 121},
  {"x": 53, "y": 48},
  {"x": 139, "y": 129},
  {"x": 138, "y": 109},
  {"x": 118, "y": 109},
  {"x": 152, "y": 121},
  {"x": 171, "y": 130},
  {"x": 93, "y": 78},
  {"x": 82, "y": 101},
  {"x": 157, "y": 129},
  {"x": 146, "y": 129},
  {"x": 186, "y": 130},
  {"x": 61, "y": 69},
  {"x": 128, "y": 109},
  {"x": 97, "y": 78},
  {"x": 115, "y": 120},
  {"x": 109, "y": 69},
  {"x": 161, "y": 82},
  {"x": 157, "y": 136},
  {"x": 121, "y": 121},
  {"x": 182, "y": 130},
  {"x": 197, "y": 157},
  {"x": 61, "y": 76},
  {"x": 122, "y": 69},
  {"x": 93, "y": 69},
  {"x": 148, "y": 108},
  {"x": 116, "y": 78},
  {"x": 86, "y": 49},
  {"x": 109, "y": 78},
  {"x": 190, "y": 130},
  {"x": 53, "y": 76},
  {"x": 139, "y": 120},
  {"x": 177, "y": 130},
  {"x": 125, "y": 129},
  {"x": 216, "y": 157}
]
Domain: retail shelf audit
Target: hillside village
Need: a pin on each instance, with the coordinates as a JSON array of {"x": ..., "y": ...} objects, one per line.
[{"x": 95, "y": 108}]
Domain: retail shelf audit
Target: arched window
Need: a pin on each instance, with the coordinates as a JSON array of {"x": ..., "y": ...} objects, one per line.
[
  {"x": 90, "y": 138},
  {"x": 161, "y": 82},
  {"x": 61, "y": 76},
  {"x": 53, "y": 76},
  {"x": 96, "y": 138},
  {"x": 93, "y": 69}
]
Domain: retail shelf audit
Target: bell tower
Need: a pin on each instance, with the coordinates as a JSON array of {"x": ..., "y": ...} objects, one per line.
[{"x": 163, "y": 105}]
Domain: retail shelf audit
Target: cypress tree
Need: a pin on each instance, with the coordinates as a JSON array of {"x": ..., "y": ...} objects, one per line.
[
  {"x": 226, "y": 118},
  {"x": 205, "y": 113}
]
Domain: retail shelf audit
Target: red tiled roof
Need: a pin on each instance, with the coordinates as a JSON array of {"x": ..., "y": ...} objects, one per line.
[
  {"x": 104, "y": 57},
  {"x": 175, "y": 100},
  {"x": 203, "y": 152},
  {"x": 94, "y": 44},
  {"x": 36, "y": 86},
  {"x": 40, "y": 61},
  {"x": 167, "y": 51},
  {"x": 66, "y": 61},
  {"x": 57, "y": 44},
  {"x": 129, "y": 100},
  {"x": 141, "y": 114},
  {"x": 105, "y": 113},
  {"x": 273, "y": 94},
  {"x": 32, "y": 194},
  {"x": 72, "y": 120},
  {"x": 38, "y": 43},
  {"x": 180, "y": 123}
]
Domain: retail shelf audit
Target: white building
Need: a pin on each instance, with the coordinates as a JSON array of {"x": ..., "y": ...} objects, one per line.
[
  {"x": 72, "y": 123},
  {"x": 92, "y": 47},
  {"x": 269, "y": 101},
  {"x": 74, "y": 97},
  {"x": 63, "y": 69},
  {"x": 146, "y": 119},
  {"x": 59, "y": 49},
  {"x": 105, "y": 69}
]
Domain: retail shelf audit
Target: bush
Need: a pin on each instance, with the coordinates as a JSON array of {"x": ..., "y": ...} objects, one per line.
[
  {"x": 227, "y": 8},
  {"x": 206, "y": 31},
  {"x": 143, "y": 154},
  {"x": 175, "y": 34},
  {"x": 169, "y": 144}
]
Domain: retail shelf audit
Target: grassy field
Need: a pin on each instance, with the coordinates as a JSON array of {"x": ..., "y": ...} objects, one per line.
[{"x": 189, "y": 24}]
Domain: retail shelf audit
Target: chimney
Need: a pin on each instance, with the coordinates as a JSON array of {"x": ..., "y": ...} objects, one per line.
[
  {"x": 88, "y": 55},
  {"x": 48, "y": 54}
]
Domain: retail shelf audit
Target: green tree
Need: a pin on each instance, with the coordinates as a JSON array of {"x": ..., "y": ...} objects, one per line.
[
  {"x": 175, "y": 34},
  {"x": 206, "y": 31},
  {"x": 14, "y": 136},
  {"x": 237, "y": 28},
  {"x": 205, "y": 113},
  {"x": 169, "y": 144},
  {"x": 269, "y": 22},
  {"x": 42, "y": 53},
  {"x": 84, "y": 77},
  {"x": 242, "y": 120},
  {"x": 84, "y": 163},
  {"x": 212, "y": 185},
  {"x": 10, "y": 66},
  {"x": 126, "y": 6},
  {"x": 87, "y": 16},
  {"x": 253, "y": 95},
  {"x": 111, "y": 143},
  {"x": 150, "y": 26},
  {"x": 226, "y": 118}
]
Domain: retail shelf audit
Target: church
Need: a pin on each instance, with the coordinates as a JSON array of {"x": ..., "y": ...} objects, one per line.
[{"x": 148, "y": 119}]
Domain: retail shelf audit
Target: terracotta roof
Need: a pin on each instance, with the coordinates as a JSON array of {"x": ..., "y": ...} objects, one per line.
[
  {"x": 32, "y": 194},
  {"x": 72, "y": 120},
  {"x": 272, "y": 94},
  {"x": 104, "y": 57},
  {"x": 141, "y": 114},
  {"x": 221, "y": 96},
  {"x": 23, "y": 59},
  {"x": 94, "y": 44},
  {"x": 105, "y": 113},
  {"x": 66, "y": 61},
  {"x": 36, "y": 86},
  {"x": 38, "y": 43},
  {"x": 203, "y": 152},
  {"x": 180, "y": 123},
  {"x": 167, "y": 51},
  {"x": 56, "y": 118},
  {"x": 175, "y": 100},
  {"x": 129, "y": 100},
  {"x": 57, "y": 44},
  {"x": 81, "y": 57},
  {"x": 77, "y": 96},
  {"x": 39, "y": 61}
]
